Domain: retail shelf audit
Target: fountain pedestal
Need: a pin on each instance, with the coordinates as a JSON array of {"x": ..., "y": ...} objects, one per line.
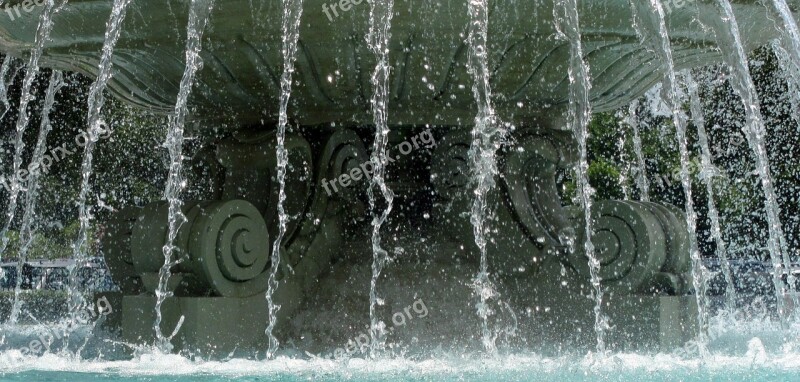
[
  {"x": 214, "y": 327},
  {"x": 224, "y": 245},
  {"x": 562, "y": 313}
]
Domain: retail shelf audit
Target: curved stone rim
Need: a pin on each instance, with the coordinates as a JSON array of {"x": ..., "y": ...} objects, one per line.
[{"x": 429, "y": 84}]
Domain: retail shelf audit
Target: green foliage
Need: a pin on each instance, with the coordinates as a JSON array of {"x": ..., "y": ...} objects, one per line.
[
  {"x": 128, "y": 168},
  {"x": 41, "y": 247},
  {"x": 737, "y": 189},
  {"x": 605, "y": 134},
  {"x": 604, "y": 176}
]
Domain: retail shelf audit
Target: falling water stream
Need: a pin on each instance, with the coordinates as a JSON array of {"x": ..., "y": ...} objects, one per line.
[
  {"x": 656, "y": 27},
  {"x": 641, "y": 169},
  {"x": 787, "y": 48},
  {"x": 42, "y": 36},
  {"x": 791, "y": 73},
  {"x": 791, "y": 33},
  {"x": 95, "y": 127},
  {"x": 707, "y": 174},
  {"x": 487, "y": 135},
  {"x": 730, "y": 44},
  {"x": 292, "y": 12},
  {"x": 625, "y": 165},
  {"x": 27, "y": 229},
  {"x": 4, "y": 84},
  {"x": 199, "y": 11},
  {"x": 579, "y": 112},
  {"x": 380, "y": 22}
]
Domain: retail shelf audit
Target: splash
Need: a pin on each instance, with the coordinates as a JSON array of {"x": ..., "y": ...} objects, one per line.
[
  {"x": 791, "y": 74},
  {"x": 625, "y": 165},
  {"x": 42, "y": 36},
  {"x": 4, "y": 84},
  {"x": 657, "y": 28},
  {"x": 787, "y": 48},
  {"x": 487, "y": 135}
]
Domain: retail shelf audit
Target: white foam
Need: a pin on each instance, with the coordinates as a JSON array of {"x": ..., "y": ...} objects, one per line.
[
  {"x": 736, "y": 346},
  {"x": 12, "y": 361}
]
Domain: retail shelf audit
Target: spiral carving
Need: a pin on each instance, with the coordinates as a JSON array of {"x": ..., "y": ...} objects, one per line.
[
  {"x": 450, "y": 167},
  {"x": 249, "y": 161},
  {"x": 530, "y": 184},
  {"x": 629, "y": 243},
  {"x": 229, "y": 247},
  {"x": 344, "y": 153},
  {"x": 673, "y": 222},
  {"x": 320, "y": 234}
]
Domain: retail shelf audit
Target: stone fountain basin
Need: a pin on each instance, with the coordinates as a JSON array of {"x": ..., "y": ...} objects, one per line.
[{"x": 238, "y": 83}]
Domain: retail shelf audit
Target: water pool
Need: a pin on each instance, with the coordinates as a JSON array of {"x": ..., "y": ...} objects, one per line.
[
  {"x": 620, "y": 367},
  {"x": 738, "y": 351}
]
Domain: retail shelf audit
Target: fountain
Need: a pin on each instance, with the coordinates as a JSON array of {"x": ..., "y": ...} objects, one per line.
[{"x": 474, "y": 111}]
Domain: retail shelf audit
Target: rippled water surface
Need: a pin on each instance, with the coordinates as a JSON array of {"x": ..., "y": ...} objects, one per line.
[{"x": 752, "y": 351}]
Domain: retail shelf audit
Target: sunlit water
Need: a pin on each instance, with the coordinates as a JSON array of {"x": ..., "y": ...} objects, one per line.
[
  {"x": 28, "y": 229},
  {"x": 788, "y": 45},
  {"x": 96, "y": 99},
  {"x": 653, "y": 23},
  {"x": 578, "y": 116},
  {"x": 292, "y": 12},
  {"x": 642, "y": 183},
  {"x": 730, "y": 43},
  {"x": 16, "y": 186},
  {"x": 380, "y": 24},
  {"x": 707, "y": 174},
  {"x": 4, "y": 83},
  {"x": 198, "y": 16},
  {"x": 487, "y": 135}
]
